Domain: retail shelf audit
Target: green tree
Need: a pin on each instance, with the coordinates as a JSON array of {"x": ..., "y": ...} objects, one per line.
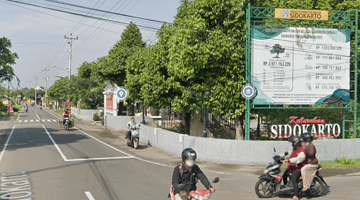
[
  {"x": 206, "y": 50},
  {"x": 112, "y": 67},
  {"x": 59, "y": 90},
  {"x": 7, "y": 58},
  {"x": 84, "y": 71}
]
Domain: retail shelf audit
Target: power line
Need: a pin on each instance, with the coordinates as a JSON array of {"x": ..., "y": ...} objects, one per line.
[
  {"x": 109, "y": 12},
  {"x": 100, "y": 25},
  {"x": 83, "y": 15},
  {"x": 58, "y": 17}
]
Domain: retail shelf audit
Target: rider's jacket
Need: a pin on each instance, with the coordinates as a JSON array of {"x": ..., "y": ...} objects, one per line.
[
  {"x": 297, "y": 159},
  {"x": 189, "y": 178},
  {"x": 66, "y": 113},
  {"x": 132, "y": 125}
]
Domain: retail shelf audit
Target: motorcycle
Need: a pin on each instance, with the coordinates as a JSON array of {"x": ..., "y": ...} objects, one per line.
[
  {"x": 67, "y": 122},
  {"x": 26, "y": 109},
  {"x": 134, "y": 140},
  {"x": 196, "y": 195},
  {"x": 269, "y": 183}
]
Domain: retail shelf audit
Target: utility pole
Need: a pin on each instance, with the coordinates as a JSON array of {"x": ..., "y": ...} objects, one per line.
[
  {"x": 36, "y": 78},
  {"x": 70, "y": 51},
  {"x": 46, "y": 79}
]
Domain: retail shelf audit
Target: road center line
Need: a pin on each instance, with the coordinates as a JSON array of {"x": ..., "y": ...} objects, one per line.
[
  {"x": 56, "y": 146},
  {"x": 105, "y": 158},
  {"x": 88, "y": 194}
]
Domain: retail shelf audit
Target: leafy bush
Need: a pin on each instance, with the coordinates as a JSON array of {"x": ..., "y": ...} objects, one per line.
[
  {"x": 345, "y": 161},
  {"x": 17, "y": 108},
  {"x": 1, "y": 106},
  {"x": 84, "y": 106},
  {"x": 50, "y": 105},
  {"x": 102, "y": 118},
  {"x": 96, "y": 115}
]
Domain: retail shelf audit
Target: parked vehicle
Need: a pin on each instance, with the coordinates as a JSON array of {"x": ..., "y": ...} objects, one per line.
[
  {"x": 134, "y": 140},
  {"x": 270, "y": 183},
  {"x": 196, "y": 195}
]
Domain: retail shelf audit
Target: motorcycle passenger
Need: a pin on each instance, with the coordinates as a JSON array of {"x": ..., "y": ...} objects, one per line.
[
  {"x": 309, "y": 170},
  {"x": 131, "y": 125},
  {"x": 296, "y": 162},
  {"x": 187, "y": 173},
  {"x": 66, "y": 112}
]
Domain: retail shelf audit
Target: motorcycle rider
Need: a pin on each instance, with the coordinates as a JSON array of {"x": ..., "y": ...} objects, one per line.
[
  {"x": 26, "y": 107},
  {"x": 309, "y": 170},
  {"x": 296, "y": 162},
  {"x": 131, "y": 125},
  {"x": 66, "y": 112},
  {"x": 188, "y": 173}
]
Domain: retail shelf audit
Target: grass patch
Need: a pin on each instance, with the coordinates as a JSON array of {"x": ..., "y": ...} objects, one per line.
[
  {"x": 341, "y": 163},
  {"x": 3, "y": 114}
]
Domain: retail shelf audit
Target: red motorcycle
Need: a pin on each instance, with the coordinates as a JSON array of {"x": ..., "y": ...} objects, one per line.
[{"x": 196, "y": 195}]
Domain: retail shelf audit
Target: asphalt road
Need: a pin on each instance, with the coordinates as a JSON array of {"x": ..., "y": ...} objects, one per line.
[{"x": 41, "y": 161}]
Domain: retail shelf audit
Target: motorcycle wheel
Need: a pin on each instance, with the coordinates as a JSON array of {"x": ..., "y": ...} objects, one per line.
[
  {"x": 67, "y": 127},
  {"x": 136, "y": 143},
  {"x": 317, "y": 188},
  {"x": 264, "y": 189}
]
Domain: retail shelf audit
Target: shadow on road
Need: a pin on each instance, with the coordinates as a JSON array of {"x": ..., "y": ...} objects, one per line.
[{"x": 36, "y": 137}]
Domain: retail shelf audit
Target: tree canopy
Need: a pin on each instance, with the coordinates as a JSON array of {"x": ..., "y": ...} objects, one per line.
[
  {"x": 112, "y": 67},
  {"x": 7, "y": 58}
]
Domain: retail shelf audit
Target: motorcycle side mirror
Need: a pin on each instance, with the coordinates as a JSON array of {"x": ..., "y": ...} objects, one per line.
[
  {"x": 216, "y": 180},
  {"x": 286, "y": 153}
]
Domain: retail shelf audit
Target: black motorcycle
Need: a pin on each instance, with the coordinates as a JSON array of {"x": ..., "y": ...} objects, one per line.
[
  {"x": 67, "y": 122},
  {"x": 269, "y": 184}
]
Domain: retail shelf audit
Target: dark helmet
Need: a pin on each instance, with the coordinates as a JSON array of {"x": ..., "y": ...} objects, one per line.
[
  {"x": 65, "y": 110},
  {"x": 295, "y": 140},
  {"x": 306, "y": 136},
  {"x": 187, "y": 154}
]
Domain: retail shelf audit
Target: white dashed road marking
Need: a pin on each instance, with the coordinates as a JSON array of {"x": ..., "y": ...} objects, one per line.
[
  {"x": 31, "y": 120},
  {"x": 49, "y": 120},
  {"x": 54, "y": 120},
  {"x": 26, "y": 121},
  {"x": 37, "y": 120},
  {"x": 88, "y": 194},
  {"x": 20, "y": 120}
]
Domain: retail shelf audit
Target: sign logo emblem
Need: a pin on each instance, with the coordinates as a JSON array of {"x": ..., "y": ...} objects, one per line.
[
  {"x": 248, "y": 91},
  {"x": 122, "y": 93},
  {"x": 286, "y": 13}
]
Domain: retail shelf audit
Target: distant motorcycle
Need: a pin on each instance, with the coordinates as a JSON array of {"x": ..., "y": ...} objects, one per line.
[
  {"x": 67, "y": 122},
  {"x": 269, "y": 184},
  {"x": 134, "y": 140}
]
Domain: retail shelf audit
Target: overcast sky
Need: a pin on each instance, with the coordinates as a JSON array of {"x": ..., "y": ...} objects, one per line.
[{"x": 37, "y": 35}]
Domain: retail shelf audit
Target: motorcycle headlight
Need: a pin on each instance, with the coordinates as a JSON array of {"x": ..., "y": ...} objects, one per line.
[
  {"x": 198, "y": 197},
  {"x": 266, "y": 171}
]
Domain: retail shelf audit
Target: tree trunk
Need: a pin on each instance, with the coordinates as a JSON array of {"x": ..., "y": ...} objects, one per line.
[
  {"x": 239, "y": 128},
  {"x": 187, "y": 118}
]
